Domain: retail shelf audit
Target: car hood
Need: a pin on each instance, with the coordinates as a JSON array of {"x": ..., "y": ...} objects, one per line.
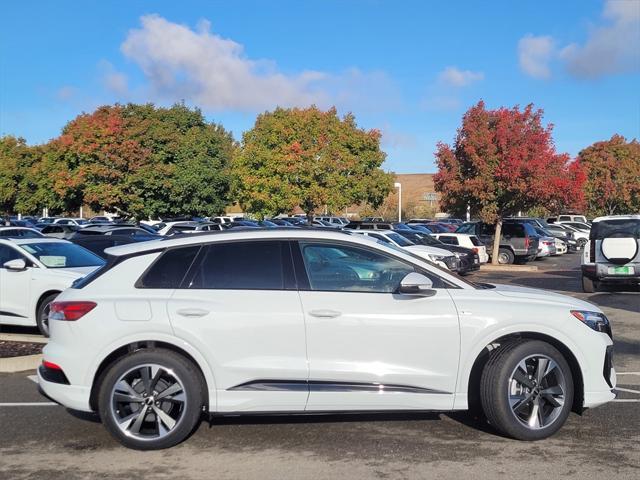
[
  {"x": 425, "y": 249},
  {"x": 73, "y": 272},
  {"x": 543, "y": 295}
]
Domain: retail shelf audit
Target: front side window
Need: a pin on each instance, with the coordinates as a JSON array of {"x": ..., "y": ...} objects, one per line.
[
  {"x": 62, "y": 255},
  {"x": 342, "y": 268},
  {"x": 257, "y": 265},
  {"x": 7, "y": 254}
]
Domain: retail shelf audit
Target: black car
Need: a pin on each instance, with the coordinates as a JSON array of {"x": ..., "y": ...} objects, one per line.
[
  {"x": 99, "y": 243},
  {"x": 469, "y": 260}
]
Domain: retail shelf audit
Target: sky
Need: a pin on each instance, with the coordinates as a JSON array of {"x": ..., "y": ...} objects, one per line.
[{"x": 408, "y": 68}]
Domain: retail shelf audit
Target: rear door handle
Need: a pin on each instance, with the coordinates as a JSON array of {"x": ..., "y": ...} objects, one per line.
[
  {"x": 324, "y": 313},
  {"x": 192, "y": 312}
]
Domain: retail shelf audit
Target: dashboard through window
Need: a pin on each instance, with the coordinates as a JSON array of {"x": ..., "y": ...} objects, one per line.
[{"x": 343, "y": 268}]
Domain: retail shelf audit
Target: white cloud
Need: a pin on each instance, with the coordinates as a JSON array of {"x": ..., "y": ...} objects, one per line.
[
  {"x": 613, "y": 47},
  {"x": 114, "y": 81},
  {"x": 66, "y": 93},
  {"x": 535, "y": 54},
  {"x": 199, "y": 66},
  {"x": 454, "y": 77}
]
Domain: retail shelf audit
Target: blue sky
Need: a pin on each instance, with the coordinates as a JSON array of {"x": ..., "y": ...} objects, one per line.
[{"x": 408, "y": 68}]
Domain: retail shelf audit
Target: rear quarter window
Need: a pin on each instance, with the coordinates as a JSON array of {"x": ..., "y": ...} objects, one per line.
[
  {"x": 475, "y": 241},
  {"x": 169, "y": 269}
]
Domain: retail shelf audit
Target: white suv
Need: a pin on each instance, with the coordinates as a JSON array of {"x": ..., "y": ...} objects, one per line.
[
  {"x": 33, "y": 271},
  {"x": 296, "y": 320}
]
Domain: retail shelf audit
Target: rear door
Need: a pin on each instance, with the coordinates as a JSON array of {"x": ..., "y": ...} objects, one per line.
[{"x": 239, "y": 305}]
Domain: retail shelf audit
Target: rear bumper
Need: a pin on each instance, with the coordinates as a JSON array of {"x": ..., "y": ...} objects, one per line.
[
  {"x": 70, "y": 396},
  {"x": 600, "y": 273}
]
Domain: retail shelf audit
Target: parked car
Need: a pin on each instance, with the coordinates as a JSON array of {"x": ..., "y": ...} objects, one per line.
[
  {"x": 568, "y": 218},
  {"x": 33, "y": 271},
  {"x": 583, "y": 227},
  {"x": 100, "y": 220},
  {"x": 281, "y": 222},
  {"x": 114, "y": 229},
  {"x": 546, "y": 246},
  {"x": 305, "y": 321},
  {"x": 469, "y": 260},
  {"x": 373, "y": 219},
  {"x": 59, "y": 231},
  {"x": 19, "y": 232},
  {"x": 97, "y": 244},
  {"x": 47, "y": 219},
  {"x": 581, "y": 237},
  {"x": 436, "y": 227},
  {"x": 336, "y": 221},
  {"x": 366, "y": 225},
  {"x": 464, "y": 240},
  {"x": 612, "y": 254},
  {"x": 78, "y": 222},
  {"x": 518, "y": 243},
  {"x": 439, "y": 256},
  {"x": 172, "y": 228}
]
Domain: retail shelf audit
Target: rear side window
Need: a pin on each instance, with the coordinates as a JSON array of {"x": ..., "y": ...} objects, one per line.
[
  {"x": 169, "y": 270},
  {"x": 258, "y": 265},
  {"x": 448, "y": 239},
  {"x": 475, "y": 241},
  {"x": 466, "y": 228}
]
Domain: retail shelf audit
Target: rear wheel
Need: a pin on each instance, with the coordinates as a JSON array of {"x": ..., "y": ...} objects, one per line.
[
  {"x": 151, "y": 399},
  {"x": 526, "y": 390},
  {"x": 505, "y": 256},
  {"x": 589, "y": 285},
  {"x": 42, "y": 315}
]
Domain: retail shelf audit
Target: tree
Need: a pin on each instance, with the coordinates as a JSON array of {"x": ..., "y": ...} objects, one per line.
[
  {"x": 613, "y": 176},
  {"x": 143, "y": 161},
  {"x": 311, "y": 159},
  {"x": 504, "y": 161},
  {"x": 15, "y": 156}
]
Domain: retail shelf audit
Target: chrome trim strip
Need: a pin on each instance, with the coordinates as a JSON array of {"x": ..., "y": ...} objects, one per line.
[{"x": 329, "y": 386}]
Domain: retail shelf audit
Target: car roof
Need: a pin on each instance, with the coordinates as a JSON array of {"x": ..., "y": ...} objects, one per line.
[
  {"x": 233, "y": 234},
  {"x": 10, "y": 227},
  {"x": 27, "y": 241},
  {"x": 617, "y": 217}
]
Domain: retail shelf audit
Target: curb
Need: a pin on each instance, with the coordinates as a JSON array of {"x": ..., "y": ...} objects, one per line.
[
  {"x": 22, "y": 337},
  {"x": 20, "y": 364},
  {"x": 508, "y": 268}
]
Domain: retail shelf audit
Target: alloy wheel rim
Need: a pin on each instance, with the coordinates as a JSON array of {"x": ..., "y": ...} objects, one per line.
[
  {"x": 537, "y": 391},
  {"x": 503, "y": 258},
  {"x": 44, "y": 320},
  {"x": 148, "y": 402}
]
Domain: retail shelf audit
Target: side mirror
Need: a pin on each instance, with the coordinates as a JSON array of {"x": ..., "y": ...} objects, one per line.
[
  {"x": 17, "y": 265},
  {"x": 416, "y": 284}
]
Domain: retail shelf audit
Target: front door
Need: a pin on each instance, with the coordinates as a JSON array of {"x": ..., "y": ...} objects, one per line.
[
  {"x": 240, "y": 303},
  {"x": 369, "y": 347}
]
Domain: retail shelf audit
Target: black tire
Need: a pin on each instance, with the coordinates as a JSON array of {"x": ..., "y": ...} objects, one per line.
[
  {"x": 505, "y": 256},
  {"x": 496, "y": 384},
  {"x": 190, "y": 409},
  {"x": 42, "y": 322},
  {"x": 589, "y": 285}
]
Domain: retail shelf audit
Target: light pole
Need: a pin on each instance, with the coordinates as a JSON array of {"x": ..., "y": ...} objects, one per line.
[{"x": 398, "y": 185}]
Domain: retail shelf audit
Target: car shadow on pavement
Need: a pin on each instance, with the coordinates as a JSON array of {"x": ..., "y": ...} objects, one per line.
[
  {"x": 560, "y": 285},
  {"x": 620, "y": 300},
  {"x": 625, "y": 347},
  {"x": 295, "y": 418}
]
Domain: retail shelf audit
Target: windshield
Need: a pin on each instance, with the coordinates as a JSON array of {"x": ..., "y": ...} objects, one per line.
[
  {"x": 62, "y": 255},
  {"x": 399, "y": 239}
]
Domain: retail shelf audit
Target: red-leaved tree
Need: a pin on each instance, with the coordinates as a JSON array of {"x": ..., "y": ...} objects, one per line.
[{"x": 502, "y": 162}]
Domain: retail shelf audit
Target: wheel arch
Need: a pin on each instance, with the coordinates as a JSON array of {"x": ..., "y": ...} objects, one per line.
[
  {"x": 473, "y": 384},
  {"x": 134, "y": 346},
  {"x": 41, "y": 298}
]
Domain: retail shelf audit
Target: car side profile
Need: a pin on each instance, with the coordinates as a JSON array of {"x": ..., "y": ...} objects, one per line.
[
  {"x": 33, "y": 271},
  {"x": 300, "y": 321}
]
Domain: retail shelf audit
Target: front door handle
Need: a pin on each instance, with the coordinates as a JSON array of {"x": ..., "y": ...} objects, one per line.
[
  {"x": 192, "y": 312},
  {"x": 324, "y": 313}
]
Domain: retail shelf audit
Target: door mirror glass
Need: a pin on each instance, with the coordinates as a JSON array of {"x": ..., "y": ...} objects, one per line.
[
  {"x": 416, "y": 284},
  {"x": 16, "y": 265}
]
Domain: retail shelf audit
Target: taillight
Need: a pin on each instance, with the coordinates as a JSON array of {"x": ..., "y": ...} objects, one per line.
[
  {"x": 51, "y": 365},
  {"x": 592, "y": 251},
  {"x": 475, "y": 250},
  {"x": 70, "y": 311},
  {"x": 526, "y": 242}
]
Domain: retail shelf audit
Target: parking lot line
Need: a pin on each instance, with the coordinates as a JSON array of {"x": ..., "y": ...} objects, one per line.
[
  {"x": 627, "y": 373},
  {"x": 626, "y": 400},
  {"x": 28, "y": 404},
  {"x": 627, "y": 390}
]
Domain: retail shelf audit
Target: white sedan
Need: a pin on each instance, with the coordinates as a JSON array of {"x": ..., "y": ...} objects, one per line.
[
  {"x": 304, "y": 321},
  {"x": 33, "y": 271}
]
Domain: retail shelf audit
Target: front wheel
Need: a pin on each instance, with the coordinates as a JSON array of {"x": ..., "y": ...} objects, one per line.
[
  {"x": 526, "y": 389},
  {"x": 151, "y": 399},
  {"x": 42, "y": 315}
]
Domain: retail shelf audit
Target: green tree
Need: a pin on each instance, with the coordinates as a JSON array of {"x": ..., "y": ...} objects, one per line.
[
  {"x": 15, "y": 157},
  {"x": 613, "y": 176},
  {"x": 144, "y": 161},
  {"x": 308, "y": 158}
]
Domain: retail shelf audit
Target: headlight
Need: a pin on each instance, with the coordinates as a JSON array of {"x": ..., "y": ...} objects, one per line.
[
  {"x": 435, "y": 258},
  {"x": 594, "y": 320}
]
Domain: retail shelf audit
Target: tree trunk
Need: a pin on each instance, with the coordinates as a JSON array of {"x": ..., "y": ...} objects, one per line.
[{"x": 496, "y": 242}]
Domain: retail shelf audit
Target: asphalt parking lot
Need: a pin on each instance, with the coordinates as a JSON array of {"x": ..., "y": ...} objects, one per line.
[{"x": 43, "y": 440}]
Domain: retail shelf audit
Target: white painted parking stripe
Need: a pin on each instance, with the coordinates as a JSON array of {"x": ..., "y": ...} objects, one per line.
[
  {"x": 620, "y": 389},
  {"x": 626, "y": 400},
  {"x": 627, "y": 373},
  {"x": 28, "y": 404},
  {"x": 33, "y": 378}
]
